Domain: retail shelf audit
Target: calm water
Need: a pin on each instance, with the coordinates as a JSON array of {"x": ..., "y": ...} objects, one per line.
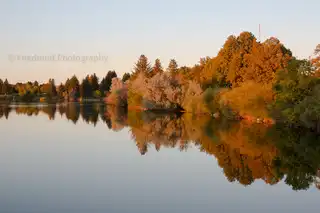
[{"x": 93, "y": 158}]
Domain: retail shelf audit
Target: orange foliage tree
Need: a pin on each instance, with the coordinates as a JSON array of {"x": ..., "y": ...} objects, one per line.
[
  {"x": 242, "y": 58},
  {"x": 250, "y": 99},
  {"x": 316, "y": 60}
]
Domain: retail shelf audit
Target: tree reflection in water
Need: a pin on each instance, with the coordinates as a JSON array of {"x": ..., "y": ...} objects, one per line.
[{"x": 246, "y": 152}]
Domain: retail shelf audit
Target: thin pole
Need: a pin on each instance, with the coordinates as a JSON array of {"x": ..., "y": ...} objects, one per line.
[{"x": 259, "y": 33}]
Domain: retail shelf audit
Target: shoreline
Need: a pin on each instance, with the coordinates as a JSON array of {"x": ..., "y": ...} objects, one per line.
[{"x": 217, "y": 115}]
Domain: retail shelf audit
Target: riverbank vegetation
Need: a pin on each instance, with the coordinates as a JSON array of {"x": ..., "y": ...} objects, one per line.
[{"x": 257, "y": 81}]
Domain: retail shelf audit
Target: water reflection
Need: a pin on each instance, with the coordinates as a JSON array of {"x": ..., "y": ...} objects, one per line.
[{"x": 245, "y": 152}]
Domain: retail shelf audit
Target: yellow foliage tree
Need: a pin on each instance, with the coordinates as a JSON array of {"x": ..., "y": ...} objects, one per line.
[{"x": 250, "y": 98}]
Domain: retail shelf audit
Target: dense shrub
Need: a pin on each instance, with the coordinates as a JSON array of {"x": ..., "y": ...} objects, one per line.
[{"x": 249, "y": 99}]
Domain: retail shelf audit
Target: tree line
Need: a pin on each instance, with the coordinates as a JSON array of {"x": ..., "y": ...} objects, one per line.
[
  {"x": 89, "y": 87},
  {"x": 247, "y": 79}
]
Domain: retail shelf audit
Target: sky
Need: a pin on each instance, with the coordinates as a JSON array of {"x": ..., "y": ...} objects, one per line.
[{"x": 121, "y": 30}]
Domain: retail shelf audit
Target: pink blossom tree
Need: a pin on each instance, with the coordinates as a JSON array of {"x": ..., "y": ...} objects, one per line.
[{"x": 118, "y": 93}]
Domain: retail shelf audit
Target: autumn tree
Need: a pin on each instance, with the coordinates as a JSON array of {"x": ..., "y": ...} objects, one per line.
[
  {"x": 126, "y": 77},
  {"x": 316, "y": 60},
  {"x": 217, "y": 68},
  {"x": 67, "y": 85},
  {"x": 61, "y": 90},
  {"x": 238, "y": 63},
  {"x": 163, "y": 91},
  {"x": 244, "y": 59},
  {"x": 73, "y": 86},
  {"x": 184, "y": 70},
  {"x": 49, "y": 88},
  {"x": 265, "y": 60},
  {"x": 73, "y": 83},
  {"x": 230, "y": 64},
  {"x": 119, "y": 92},
  {"x": 204, "y": 61},
  {"x": 157, "y": 67},
  {"x": 173, "y": 66},
  {"x": 197, "y": 71},
  {"x": 142, "y": 66}
]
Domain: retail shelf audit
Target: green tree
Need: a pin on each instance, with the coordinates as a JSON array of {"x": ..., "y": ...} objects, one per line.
[
  {"x": 5, "y": 87},
  {"x": 94, "y": 81},
  {"x": 1, "y": 84},
  {"x": 86, "y": 88},
  {"x": 27, "y": 96},
  {"x": 293, "y": 91},
  {"x": 52, "y": 88},
  {"x": 298, "y": 157},
  {"x": 106, "y": 82}
]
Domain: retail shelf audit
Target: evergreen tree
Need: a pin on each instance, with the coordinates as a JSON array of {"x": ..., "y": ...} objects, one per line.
[
  {"x": 142, "y": 66},
  {"x": 126, "y": 77},
  {"x": 67, "y": 85},
  {"x": 73, "y": 83},
  {"x": 102, "y": 84},
  {"x": 53, "y": 89},
  {"x": 61, "y": 90},
  {"x": 106, "y": 82},
  {"x": 94, "y": 81},
  {"x": 157, "y": 68},
  {"x": 1, "y": 84},
  {"x": 82, "y": 86},
  {"x": 173, "y": 66},
  {"x": 49, "y": 88},
  {"x": 36, "y": 83},
  {"x": 86, "y": 88},
  {"x": 5, "y": 87},
  {"x": 74, "y": 87}
]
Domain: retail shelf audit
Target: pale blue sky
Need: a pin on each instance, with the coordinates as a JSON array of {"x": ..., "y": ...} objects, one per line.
[{"x": 123, "y": 29}]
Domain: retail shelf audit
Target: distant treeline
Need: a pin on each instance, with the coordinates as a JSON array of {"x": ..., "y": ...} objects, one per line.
[
  {"x": 72, "y": 89},
  {"x": 248, "y": 79}
]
